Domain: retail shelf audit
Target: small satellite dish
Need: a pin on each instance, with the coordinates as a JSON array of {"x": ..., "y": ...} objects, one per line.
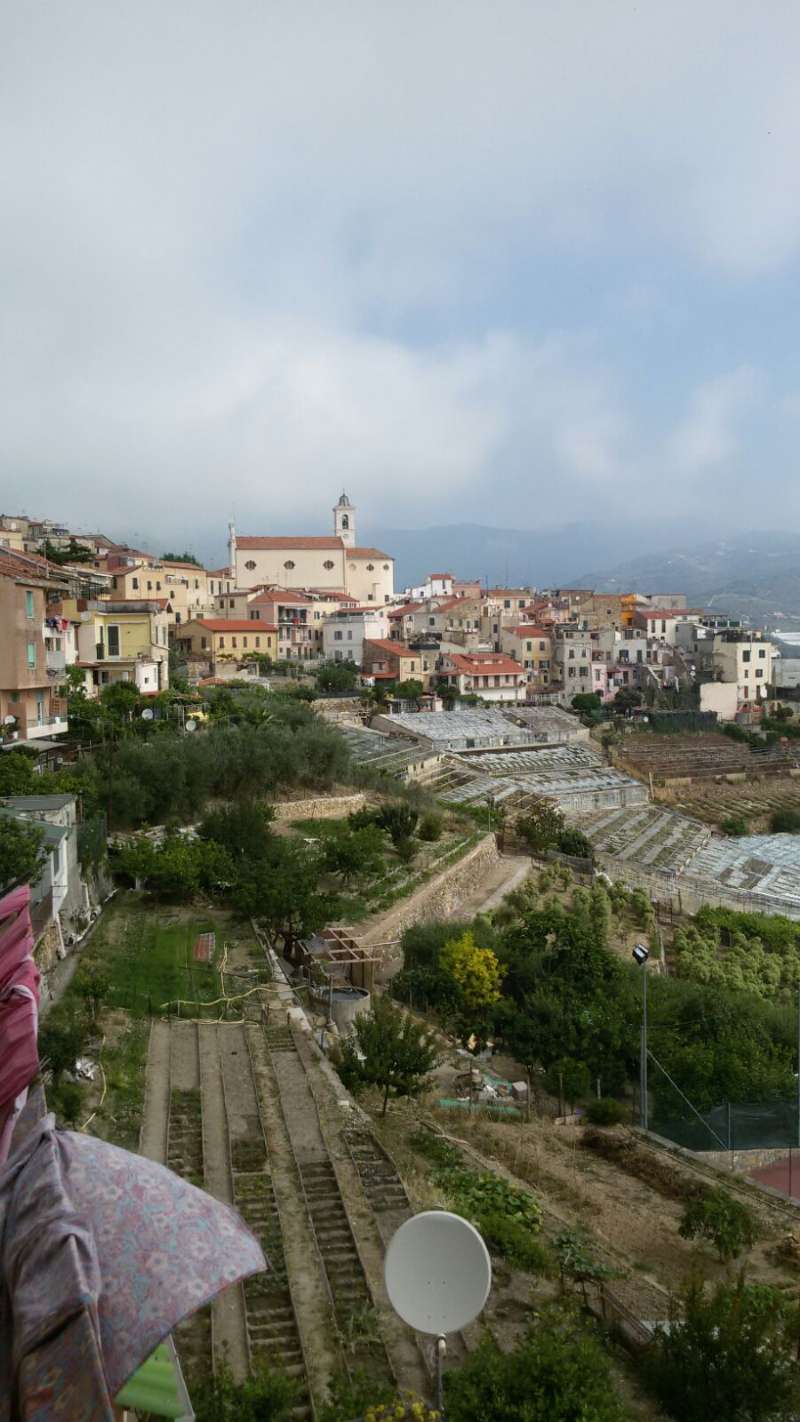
[
  {"x": 191, "y": 724},
  {"x": 9, "y": 720},
  {"x": 148, "y": 713},
  {"x": 438, "y": 1272}
]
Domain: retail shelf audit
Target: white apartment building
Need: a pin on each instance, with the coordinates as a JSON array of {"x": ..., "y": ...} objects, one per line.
[
  {"x": 344, "y": 632},
  {"x": 746, "y": 659}
]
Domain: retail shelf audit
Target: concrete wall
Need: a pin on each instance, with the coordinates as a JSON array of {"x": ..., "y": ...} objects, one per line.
[
  {"x": 439, "y": 898},
  {"x": 327, "y": 807},
  {"x": 720, "y": 696}
]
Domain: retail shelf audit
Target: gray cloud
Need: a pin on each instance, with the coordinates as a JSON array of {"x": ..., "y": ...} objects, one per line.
[{"x": 237, "y": 242}]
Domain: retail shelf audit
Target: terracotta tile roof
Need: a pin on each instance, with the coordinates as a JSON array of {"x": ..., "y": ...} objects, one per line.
[
  {"x": 177, "y": 563},
  {"x": 486, "y": 664},
  {"x": 389, "y": 648},
  {"x": 219, "y": 573},
  {"x": 441, "y": 575},
  {"x": 368, "y": 553},
  {"x": 280, "y": 595},
  {"x": 277, "y": 544},
  {"x": 406, "y": 608},
  {"x": 219, "y": 624},
  {"x": 527, "y": 631}
]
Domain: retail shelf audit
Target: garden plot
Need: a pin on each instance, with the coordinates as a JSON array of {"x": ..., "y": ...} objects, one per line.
[
  {"x": 755, "y": 801},
  {"x": 700, "y": 755},
  {"x": 574, "y": 777},
  {"x": 651, "y": 837}
]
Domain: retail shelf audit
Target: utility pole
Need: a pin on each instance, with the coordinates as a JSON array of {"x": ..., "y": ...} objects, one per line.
[
  {"x": 644, "y": 1047},
  {"x": 798, "y": 1066}
]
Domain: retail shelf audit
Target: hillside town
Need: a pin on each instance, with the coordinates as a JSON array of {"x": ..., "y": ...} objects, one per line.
[{"x": 336, "y": 903}]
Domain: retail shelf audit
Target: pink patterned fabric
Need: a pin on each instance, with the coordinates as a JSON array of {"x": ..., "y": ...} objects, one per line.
[
  {"x": 102, "y": 1253},
  {"x": 19, "y": 1006}
]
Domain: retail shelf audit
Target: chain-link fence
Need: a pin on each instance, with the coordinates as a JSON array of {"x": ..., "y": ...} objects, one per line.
[{"x": 732, "y": 1125}]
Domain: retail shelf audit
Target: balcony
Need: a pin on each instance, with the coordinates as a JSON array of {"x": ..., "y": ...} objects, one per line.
[
  {"x": 56, "y": 663},
  {"x": 47, "y": 726}
]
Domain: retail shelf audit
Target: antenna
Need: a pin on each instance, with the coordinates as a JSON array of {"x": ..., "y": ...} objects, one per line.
[{"x": 438, "y": 1276}]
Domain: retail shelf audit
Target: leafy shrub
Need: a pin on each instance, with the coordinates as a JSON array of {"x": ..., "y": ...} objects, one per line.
[
  {"x": 734, "y": 825},
  {"x": 406, "y": 850},
  {"x": 559, "y": 1373},
  {"x": 730, "y": 1355},
  {"x": 430, "y": 828},
  {"x": 724, "y": 1221},
  {"x": 398, "y": 820},
  {"x": 266, "y": 1396},
  {"x": 575, "y": 843},
  {"x": 514, "y": 1241},
  {"x": 785, "y": 821},
  {"x": 605, "y": 1111}
]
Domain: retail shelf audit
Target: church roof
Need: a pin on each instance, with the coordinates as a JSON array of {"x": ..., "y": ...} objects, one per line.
[
  {"x": 289, "y": 543},
  {"x": 368, "y": 553}
]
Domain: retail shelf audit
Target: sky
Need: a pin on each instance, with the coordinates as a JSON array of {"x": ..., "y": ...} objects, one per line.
[{"x": 512, "y": 264}]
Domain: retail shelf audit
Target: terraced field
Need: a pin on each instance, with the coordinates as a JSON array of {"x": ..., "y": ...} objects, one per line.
[
  {"x": 647, "y": 837},
  {"x": 753, "y": 801},
  {"x": 702, "y": 755}
]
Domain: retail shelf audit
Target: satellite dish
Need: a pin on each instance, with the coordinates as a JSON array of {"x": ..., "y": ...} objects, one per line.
[
  {"x": 191, "y": 724},
  {"x": 438, "y": 1272},
  {"x": 9, "y": 720},
  {"x": 148, "y": 713}
]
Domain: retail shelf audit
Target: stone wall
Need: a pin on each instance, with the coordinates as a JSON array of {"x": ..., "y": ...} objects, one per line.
[
  {"x": 439, "y": 898},
  {"x": 324, "y": 807}
]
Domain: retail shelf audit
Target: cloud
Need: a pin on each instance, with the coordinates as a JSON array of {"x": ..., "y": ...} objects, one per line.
[{"x": 250, "y": 254}]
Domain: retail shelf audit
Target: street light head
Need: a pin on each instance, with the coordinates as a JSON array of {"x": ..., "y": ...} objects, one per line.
[{"x": 641, "y": 954}]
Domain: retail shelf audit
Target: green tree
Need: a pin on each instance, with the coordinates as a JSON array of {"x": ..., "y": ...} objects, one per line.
[
  {"x": 60, "y": 1044},
  {"x": 586, "y": 702},
  {"x": 725, "y": 1222},
  {"x": 337, "y": 676},
  {"x": 354, "y": 853},
  {"x": 559, "y": 1373},
  {"x": 398, "y": 819},
  {"x": 785, "y": 821},
  {"x": 734, "y": 825},
  {"x": 389, "y": 1050},
  {"x": 475, "y": 972},
  {"x": 410, "y": 690},
  {"x": 282, "y": 893},
  {"x": 627, "y": 698},
  {"x": 16, "y": 773},
  {"x": 728, "y": 1355},
  {"x": 22, "y": 851},
  {"x": 541, "y": 826},
  {"x": 575, "y": 842},
  {"x": 431, "y": 826},
  {"x": 181, "y": 558}
]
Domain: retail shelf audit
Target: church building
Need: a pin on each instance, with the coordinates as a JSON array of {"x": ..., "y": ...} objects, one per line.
[{"x": 335, "y": 563}]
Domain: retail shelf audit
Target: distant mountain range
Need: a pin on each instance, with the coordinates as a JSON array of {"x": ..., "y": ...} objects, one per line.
[{"x": 752, "y": 575}]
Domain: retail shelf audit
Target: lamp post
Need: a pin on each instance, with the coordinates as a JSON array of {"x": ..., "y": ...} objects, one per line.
[{"x": 640, "y": 956}]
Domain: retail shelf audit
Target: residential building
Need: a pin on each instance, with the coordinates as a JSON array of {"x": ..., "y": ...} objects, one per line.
[
  {"x": 335, "y": 562},
  {"x": 59, "y": 891},
  {"x": 385, "y": 660},
  {"x": 122, "y": 639},
  {"x": 344, "y": 632},
  {"x": 220, "y": 580},
  {"x": 662, "y": 623},
  {"x": 30, "y": 704},
  {"x": 291, "y": 612},
  {"x": 490, "y": 675},
  {"x": 743, "y": 658},
  {"x": 214, "y": 643},
  {"x": 532, "y": 647}
]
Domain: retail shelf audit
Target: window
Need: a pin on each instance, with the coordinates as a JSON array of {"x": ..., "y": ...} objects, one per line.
[
  {"x": 31, "y": 654},
  {"x": 113, "y": 641},
  {"x": 759, "y": 671},
  {"x": 370, "y": 567},
  {"x": 431, "y": 621},
  {"x": 203, "y": 644},
  {"x": 386, "y": 567},
  {"x": 328, "y": 564},
  {"x": 507, "y": 602},
  {"x": 158, "y": 587},
  {"x": 349, "y": 636},
  {"x": 762, "y": 652},
  {"x": 134, "y": 582},
  {"x": 230, "y": 602},
  {"x": 345, "y": 521},
  {"x": 288, "y": 563},
  {"x": 221, "y": 642},
  {"x": 258, "y": 641},
  {"x": 149, "y": 585},
  {"x": 250, "y": 565},
  {"x": 29, "y": 604},
  {"x": 746, "y": 656},
  {"x": 337, "y": 636},
  {"x": 244, "y": 641}
]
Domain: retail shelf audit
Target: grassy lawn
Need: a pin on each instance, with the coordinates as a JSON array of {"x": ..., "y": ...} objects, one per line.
[{"x": 147, "y": 950}]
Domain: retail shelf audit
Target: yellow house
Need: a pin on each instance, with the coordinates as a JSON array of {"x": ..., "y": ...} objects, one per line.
[
  {"x": 184, "y": 584},
  {"x": 121, "y": 639},
  {"x": 213, "y": 640}
]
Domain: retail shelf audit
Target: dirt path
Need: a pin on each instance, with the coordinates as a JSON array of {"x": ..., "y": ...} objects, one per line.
[
  {"x": 230, "y": 1329},
  {"x": 153, "y": 1138},
  {"x": 505, "y": 876}
]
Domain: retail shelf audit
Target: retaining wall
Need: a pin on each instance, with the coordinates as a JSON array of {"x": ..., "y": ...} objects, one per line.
[
  {"x": 325, "y": 807},
  {"x": 439, "y": 898}
]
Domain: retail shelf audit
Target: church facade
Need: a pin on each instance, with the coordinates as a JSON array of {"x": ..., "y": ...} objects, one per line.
[{"x": 333, "y": 563}]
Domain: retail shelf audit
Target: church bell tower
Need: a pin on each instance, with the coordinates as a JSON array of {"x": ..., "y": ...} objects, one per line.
[{"x": 344, "y": 521}]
